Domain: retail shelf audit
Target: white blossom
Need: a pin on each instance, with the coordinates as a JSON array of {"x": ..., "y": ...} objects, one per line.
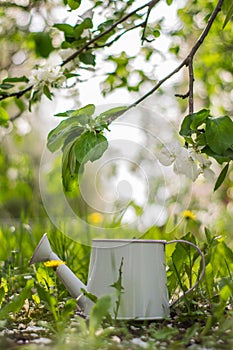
[
  {"x": 208, "y": 174},
  {"x": 168, "y": 154},
  {"x": 65, "y": 53},
  {"x": 185, "y": 164},
  {"x": 186, "y": 161},
  {"x": 52, "y": 76}
]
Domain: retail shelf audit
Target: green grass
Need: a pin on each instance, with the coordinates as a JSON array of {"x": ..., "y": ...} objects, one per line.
[{"x": 35, "y": 307}]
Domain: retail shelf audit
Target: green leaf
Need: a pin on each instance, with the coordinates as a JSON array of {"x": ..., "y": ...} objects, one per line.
[
  {"x": 185, "y": 129},
  {"x": 22, "y": 79},
  {"x": 73, "y": 134},
  {"x": 2, "y": 294},
  {"x": 192, "y": 121},
  {"x": 169, "y": 2},
  {"x": 67, "y": 179},
  {"x": 43, "y": 44},
  {"x": 219, "y": 134},
  {"x": 166, "y": 333},
  {"x": 16, "y": 304},
  {"x": 66, "y": 28},
  {"x": 98, "y": 312},
  {"x": 49, "y": 300},
  {"x": 87, "y": 58},
  {"x": 65, "y": 114},
  {"x": 208, "y": 235},
  {"x": 220, "y": 159},
  {"x": 221, "y": 177},
  {"x": 199, "y": 118},
  {"x": 82, "y": 115},
  {"x": 228, "y": 16},
  {"x": 74, "y": 4},
  {"x": 90, "y": 296},
  {"x": 118, "y": 283},
  {"x": 90, "y": 146},
  {"x": 201, "y": 140},
  {"x": 102, "y": 27},
  {"x": 79, "y": 28},
  {"x": 68, "y": 310},
  {"x": 111, "y": 114},
  {"x": 72, "y": 161},
  {"x": 88, "y": 110},
  {"x": 6, "y": 86},
  {"x": 229, "y": 153},
  {"x": 4, "y": 117},
  {"x": 47, "y": 92},
  {"x": 71, "y": 75},
  {"x": 57, "y": 136}
]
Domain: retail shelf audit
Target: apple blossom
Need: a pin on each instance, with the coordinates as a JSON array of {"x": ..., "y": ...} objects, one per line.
[
  {"x": 51, "y": 76},
  {"x": 185, "y": 161}
]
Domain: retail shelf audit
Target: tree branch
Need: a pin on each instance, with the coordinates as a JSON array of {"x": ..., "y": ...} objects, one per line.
[
  {"x": 191, "y": 83},
  {"x": 188, "y": 61}
]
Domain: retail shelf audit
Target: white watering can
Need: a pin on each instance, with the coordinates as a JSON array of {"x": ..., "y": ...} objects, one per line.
[{"x": 138, "y": 266}]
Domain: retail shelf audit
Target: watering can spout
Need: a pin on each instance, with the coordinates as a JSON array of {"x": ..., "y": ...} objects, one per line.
[{"x": 43, "y": 253}]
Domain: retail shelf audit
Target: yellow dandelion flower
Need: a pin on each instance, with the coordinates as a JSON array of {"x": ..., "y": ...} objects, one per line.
[
  {"x": 53, "y": 263},
  {"x": 188, "y": 214},
  {"x": 95, "y": 218}
]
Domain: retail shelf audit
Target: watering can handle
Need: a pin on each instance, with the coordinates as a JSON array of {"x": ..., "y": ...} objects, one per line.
[{"x": 203, "y": 267}]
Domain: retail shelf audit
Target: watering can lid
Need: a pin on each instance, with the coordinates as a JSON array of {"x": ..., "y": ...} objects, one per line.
[{"x": 133, "y": 240}]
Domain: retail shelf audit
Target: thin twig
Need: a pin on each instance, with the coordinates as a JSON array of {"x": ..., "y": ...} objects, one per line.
[
  {"x": 17, "y": 94},
  {"x": 183, "y": 96},
  {"x": 145, "y": 25},
  {"x": 12, "y": 119},
  {"x": 108, "y": 44},
  {"x": 96, "y": 38}
]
